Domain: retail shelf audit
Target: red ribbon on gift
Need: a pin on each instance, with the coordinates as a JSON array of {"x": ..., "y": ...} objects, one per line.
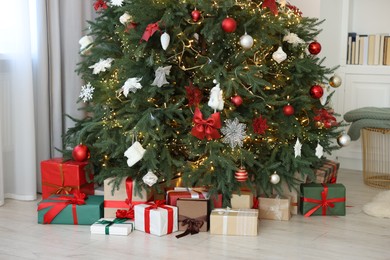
[
  {"x": 206, "y": 128},
  {"x": 149, "y": 31},
  {"x": 323, "y": 203},
  {"x": 155, "y": 205},
  {"x": 61, "y": 189},
  {"x": 61, "y": 203}
]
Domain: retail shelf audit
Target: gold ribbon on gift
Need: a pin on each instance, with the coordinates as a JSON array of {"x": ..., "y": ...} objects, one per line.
[{"x": 61, "y": 189}]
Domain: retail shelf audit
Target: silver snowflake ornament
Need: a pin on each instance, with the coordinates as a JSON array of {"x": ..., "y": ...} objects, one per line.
[
  {"x": 234, "y": 133},
  {"x": 86, "y": 92}
]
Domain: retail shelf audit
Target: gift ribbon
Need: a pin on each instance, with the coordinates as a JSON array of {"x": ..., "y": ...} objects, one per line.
[
  {"x": 108, "y": 223},
  {"x": 149, "y": 31},
  {"x": 323, "y": 203},
  {"x": 193, "y": 225},
  {"x": 155, "y": 205},
  {"x": 206, "y": 128},
  {"x": 61, "y": 203},
  {"x": 61, "y": 189}
]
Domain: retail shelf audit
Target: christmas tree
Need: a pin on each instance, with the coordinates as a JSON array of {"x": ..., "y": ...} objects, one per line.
[{"x": 223, "y": 93}]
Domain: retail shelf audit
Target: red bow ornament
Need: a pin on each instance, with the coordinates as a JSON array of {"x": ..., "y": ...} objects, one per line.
[
  {"x": 271, "y": 4},
  {"x": 206, "y": 128},
  {"x": 149, "y": 31}
]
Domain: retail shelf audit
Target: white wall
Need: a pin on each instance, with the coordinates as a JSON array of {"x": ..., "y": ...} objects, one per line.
[{"x": 309, "y": 8}]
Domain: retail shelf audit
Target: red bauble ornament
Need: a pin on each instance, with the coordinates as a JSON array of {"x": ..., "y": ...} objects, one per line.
[
  {"x": 241, "y": 175},
  {"x": 229, "y": 25},
  {"x": 316, "y": 91},
  {"x": 314, "y": 48},
  {"x": 288, "y": 110},
  {"x": 236, "y": 100},
  {"x": 195, "y": 15},
  {"x": 80, "y": 153}
]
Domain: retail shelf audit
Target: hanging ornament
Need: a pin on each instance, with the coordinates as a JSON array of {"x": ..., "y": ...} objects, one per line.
[
  {"x": 279, "y": 55},
  {"x": 80, "y": 153},
  {"x": 288, "y": 110},
  {"x": 315, "y": 48},
  {"x": 164, "y": 39},
  {"x": 161, "y": 74},
  {"x": 319, "y": 151},
  {"x": 206, "y": 128},
  {"x": 344, "y": 140},
  {"x": 335, "y": 81},
  {"x": 234, "y": 133},
  {"x": 260, "y": 125},
  {"x": 297, "y": 148},
  {"x": 195, "y": 15},
  {"x": 236, "y": 100},
  {"x": 246, "y": 41},
  {"x": 316, "y": 91},
  {"x": 229, "y": 25},
  {"x": 241, "y": 174},
  {"x": 274, "y": 178},
  {"x": 150, "y": 178},
  {"x": 271, "y": 4},
  {"x": 216, "y": 99},
  {"x": 134, "y": 153},
  {"x": 319, "y": 124},
  {"x": 131, "y": 85},
  {"x": 324, "y": 97}
]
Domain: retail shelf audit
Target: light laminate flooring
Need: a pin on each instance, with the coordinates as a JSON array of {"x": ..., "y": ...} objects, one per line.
[{"x": 355, "y": 236}]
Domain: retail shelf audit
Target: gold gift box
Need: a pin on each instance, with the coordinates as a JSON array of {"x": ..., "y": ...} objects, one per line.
[
  {"x": 239, "y": 222},
  {"x": 242, "y": 201}
]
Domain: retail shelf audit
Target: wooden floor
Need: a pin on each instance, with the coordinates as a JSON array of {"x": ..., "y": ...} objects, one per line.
[{"x": 355, "y": 236}]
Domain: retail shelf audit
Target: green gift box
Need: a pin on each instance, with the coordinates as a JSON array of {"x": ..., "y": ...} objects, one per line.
[
  {"x": 68, "y": 209},
  {"x": 322, "y": 199}
]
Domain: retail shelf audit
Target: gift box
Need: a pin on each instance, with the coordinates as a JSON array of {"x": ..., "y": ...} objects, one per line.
[
  {"x": 113, "y": 226},
  {"x": 65, "y": 177},
  {"x": 76, "y": 209},
  {"x": 123, "y": 198},
  {"x": 326, "y": 173},
  {"x": 156, "y": 218},
  {"x": 292, "y": 192},
  {"x": 322, "y": 199},
  {"x": 275, "y": 207},
  {"x": 240, "y": 222},
  {"x": 191, "y": 193},
  {"x": 193, "y": 216},
  {"x": 244, "y": 200}
]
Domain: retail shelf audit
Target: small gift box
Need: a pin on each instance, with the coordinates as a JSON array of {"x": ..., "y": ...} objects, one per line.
[
  {"x": 123, "y": 198},
  {"x": 113, "y": 226},
  {"x": 326, "y": 173},
  {"x": 275, "y": 207},
  {"x": 322, "y": 199},
  {"x": 191, "y": 193},
  {"x": 65, "y": 177},
  {"x": 193, "y": 216},
  {"x": 76, "y": 209},
  {"x": 156, "y": 218},
  {"x": 242, "y": 222},
  {"x": 244, "y": 200}
]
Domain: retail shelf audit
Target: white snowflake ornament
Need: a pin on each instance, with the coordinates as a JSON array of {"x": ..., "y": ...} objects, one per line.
[
  {"x": 297, "y": 148},
  {"x": 161, "y": 74},
  {"x": 86, "y": 92},
  {"x": 101, "y": 66},
  {"x": 117, "y": 2},
  {"x": 319, "y": 151},
  {"x": 131, "y": 84},
  {"x": 234, "y": 133}
]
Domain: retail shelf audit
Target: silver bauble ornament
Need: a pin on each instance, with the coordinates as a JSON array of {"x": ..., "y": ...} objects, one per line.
[
  {"x": 344, "y": 140},
  {"x": 274, "y": 178},
  {"x": 165, "y": 39},
  {"x": 246, "y": 41},
  {"x": 335, "y": 81},
  {"x": 279, "y": 55}
]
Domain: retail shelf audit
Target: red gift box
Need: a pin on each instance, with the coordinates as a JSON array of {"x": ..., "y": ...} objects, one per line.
[
  {"x": 59, "y": 177},
  {"x": 191, "y": 193}
]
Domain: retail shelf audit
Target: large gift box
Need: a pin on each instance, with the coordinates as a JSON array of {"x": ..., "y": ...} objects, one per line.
[
  {"x": 191, "y": 193},
  {"x": 76, "y": 209},
  {"x": 244, "y": 200},
  {"x": 113, "y": 226},
  {"x": 241, "y": 222},
  {"x": 122, "y": 198},
  {"x": 275, "y": 207},
  {"x": 193, "y": 216},
  {"x": 326, "y": 173},
  {"x": 156, "y": 218},
  {"x": 322, "y": 199},
  {"x": 65, "y": 177}
]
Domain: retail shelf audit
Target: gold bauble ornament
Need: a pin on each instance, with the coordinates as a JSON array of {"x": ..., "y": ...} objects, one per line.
[
  {"x": 335, "y": 81},
  {"x": 319, "y": 124}
]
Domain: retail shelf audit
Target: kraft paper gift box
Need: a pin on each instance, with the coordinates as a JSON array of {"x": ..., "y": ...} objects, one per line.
[
  {"x": 123, "y": 197},
  {"x": 65, "y": 177},
  {"x": 239, "y": 222},
  {"x": 113, "y": 226},
  {"x": 156, "y": 218},
  {"x": 193, "y": 215},
  {"x": 322, "y": 199},
  {"x": 70, "y": 209},
  {"x": 242, "y": 201},
  {"x": 191, "y": 193},
  {"x": 275, "y": 208}
]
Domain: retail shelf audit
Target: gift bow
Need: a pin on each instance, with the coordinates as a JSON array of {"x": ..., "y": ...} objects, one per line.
[
  {"x": 323, "y": 115},
  {"x": 61, "y": 189},
  {"x": 108, "y": 223},
  {"x": 323, "y": 203},
  {"x": 193, "y": 224},
  {"x": 62, "y": 202},
  {"x": 156, "y": 204},
  {"x": 206, "y": 128},
  {"x": 149, "y": 31}
]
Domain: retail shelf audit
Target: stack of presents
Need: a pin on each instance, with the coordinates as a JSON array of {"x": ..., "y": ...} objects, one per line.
[{"x": 69, "y": 197}]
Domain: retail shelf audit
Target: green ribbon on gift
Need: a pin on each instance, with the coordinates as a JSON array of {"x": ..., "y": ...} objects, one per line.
[{"x": 108, "y": 223}]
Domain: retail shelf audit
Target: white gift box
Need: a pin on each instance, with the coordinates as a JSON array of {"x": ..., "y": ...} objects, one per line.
[
  {"x": 106, "y": 226},
  {"x": 156, "y": 221}
]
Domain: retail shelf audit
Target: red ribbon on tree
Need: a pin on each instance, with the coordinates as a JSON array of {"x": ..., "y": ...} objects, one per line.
[
  {"x": 271, "y": 4},
  {"x": 206, "y": 128},
  {"x": 61, "y": 203},
  {"x": 325, "y": 117},
  {"x": 323, "y": 203},
  {"x": 155, "y": 205},
  {"x": 149, "y": 31}
]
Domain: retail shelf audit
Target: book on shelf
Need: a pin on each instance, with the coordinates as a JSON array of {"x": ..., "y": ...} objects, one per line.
[{"x": 386, "y": 51}]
